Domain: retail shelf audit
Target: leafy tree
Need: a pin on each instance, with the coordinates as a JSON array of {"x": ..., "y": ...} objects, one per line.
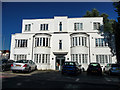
[
  {"x": 116, "y": 26},
  {"x": 93, "y": 13},
  {"x": 108, "y": 30}
]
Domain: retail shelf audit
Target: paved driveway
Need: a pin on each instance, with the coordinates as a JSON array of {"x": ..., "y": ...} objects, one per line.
[{"x": 54, "y": 79}]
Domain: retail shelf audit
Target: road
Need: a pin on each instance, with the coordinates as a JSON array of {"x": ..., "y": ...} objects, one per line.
[{"x": 54, "y": 80}]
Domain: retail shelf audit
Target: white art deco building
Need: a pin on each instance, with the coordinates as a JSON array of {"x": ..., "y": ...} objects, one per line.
[{"x": 50, "y": 42}]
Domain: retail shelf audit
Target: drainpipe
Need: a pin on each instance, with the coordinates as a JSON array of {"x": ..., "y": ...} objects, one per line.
[
  {"x": 32, "y": 46},
  {"x": 89, "y": 49}
]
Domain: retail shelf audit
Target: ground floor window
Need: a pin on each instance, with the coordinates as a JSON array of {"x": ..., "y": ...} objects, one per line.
[
  {"x": 104, "y": 59},
  {"x": 20, "y": 56},
  {"x": 42, "y": 58},
  {"x": 80, "y": 58}
]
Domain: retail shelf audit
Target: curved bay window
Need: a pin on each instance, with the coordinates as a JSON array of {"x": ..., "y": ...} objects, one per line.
[
  {"x": 42, "y": 41},
  {"x": 79, "y": 41}
]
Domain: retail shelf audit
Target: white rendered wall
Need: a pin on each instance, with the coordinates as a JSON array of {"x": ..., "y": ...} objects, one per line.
[{"x": 53, "y": 29}]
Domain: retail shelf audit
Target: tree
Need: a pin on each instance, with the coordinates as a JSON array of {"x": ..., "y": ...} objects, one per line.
[
  {"x": 108, "y": 30},
  {"x": 117, "y": 30},
  {"x": 93, "y": 13}
]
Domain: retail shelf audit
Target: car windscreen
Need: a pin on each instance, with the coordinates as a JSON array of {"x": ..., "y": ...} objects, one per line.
[
  {"x": 22, "y": 61},
  {"x": 115, "y": 65},
  {"x": 70, "y": 63},
  {"x": 94, "y": 65}
]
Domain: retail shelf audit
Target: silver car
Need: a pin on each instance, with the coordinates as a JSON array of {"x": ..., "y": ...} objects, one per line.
[
  {"x": 112, "y": 69},
  {"x": 23, "y": 65}
]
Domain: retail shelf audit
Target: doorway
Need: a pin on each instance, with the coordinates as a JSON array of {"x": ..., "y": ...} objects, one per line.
[{"x": 59, "y": 62}]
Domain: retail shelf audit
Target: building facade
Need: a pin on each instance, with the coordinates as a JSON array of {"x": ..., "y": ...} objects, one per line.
[{"x": 50, "y": 42}]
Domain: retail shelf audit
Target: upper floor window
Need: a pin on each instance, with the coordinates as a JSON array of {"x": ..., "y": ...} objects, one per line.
[
  {"x": 43, "y": 26},
  {"x": 78, "y": 26},
  {"x": 21, "y": 43},
  {"x": 60, "y": 26},
  {"x": 27, "y": 27},
  {"x": 96, "y": 26},
  {"x": 79, "y": 41},
  {"x": 42, "y": 41},
  {"x": 100, "y": 42},
  {"x": 60, "y": 44}
]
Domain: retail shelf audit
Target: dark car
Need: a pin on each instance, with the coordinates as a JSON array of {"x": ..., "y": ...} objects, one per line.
[
  {"x": 94, "y": 68},
  {"x": 71, "y": 68},
  {"x": 5, "y": 64},
  {"x": 112, "y": 69}
]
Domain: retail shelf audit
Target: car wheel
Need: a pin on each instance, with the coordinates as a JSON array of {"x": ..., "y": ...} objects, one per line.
[
  {"x": 35, "y": 67},
  {"x": 29, "y": 70},
  {"x": 80, "y": 71}
]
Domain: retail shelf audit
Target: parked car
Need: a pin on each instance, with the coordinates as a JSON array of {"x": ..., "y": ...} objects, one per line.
[
  {"x": 5, "y": 64},
  {"x": 94, "y": 68},
  {"x": 112, "y": 69},
  {"x": 71, "y": 68},
  {"x": 23, "y": 65}
]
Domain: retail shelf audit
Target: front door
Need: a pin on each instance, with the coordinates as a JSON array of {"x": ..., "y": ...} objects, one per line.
[{"x": 59, "y": 62}]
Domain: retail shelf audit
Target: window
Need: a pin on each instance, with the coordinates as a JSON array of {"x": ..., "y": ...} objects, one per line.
[
  {"x": 82, "y": 41},
  {"x": 85, "y": 41},
  {"x": 75, "y": 41},
  {"x": 43, "y": 58},
  {"x": 46, "y": 58},
  {"x": 20, "y": 56},
  {"x": 27, "y": 27},
  {"x": 78, "y": 26},
  {"x": 46, "y": 42},
  {"x": 86, "y": 58},
  {"x": 83, "y": 58},
  {"x": 110, "y": 59},
  {"x": 103, "y": 59},
  {"x": 40, "y": 58},
  {"x": 60, "y": 44},
  {"x": 40, "y": 41},
  {"x": 106, "y": 59},
  {"x": 96, "y": 26},
  {"x": 97, "y": 59},
  {"x": 37, "y": 41},
  {"x": 43, "y": 41},
  {"x": 60, "y": 26},
  {"x": 36, "y": 58},
  {"x": 79, "y": 41},
  {"x": 44, "y": 27},
  {"x": 79, "y": 58},
  {"x": 96, "y": 42},
  {"x": 100, "y": 42},
  {"x": 76, "y": 57},
  {"x": 21, "y": 43}
]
